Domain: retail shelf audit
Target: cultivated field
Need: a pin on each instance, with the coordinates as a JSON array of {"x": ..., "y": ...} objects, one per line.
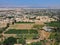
[
  {"x": 21, "y": 26},
  {"x": 22, "y": 33}
]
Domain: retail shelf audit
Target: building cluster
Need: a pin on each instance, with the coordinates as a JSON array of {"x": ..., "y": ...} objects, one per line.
[
  {"x": 34, "y": 19},
  {"x": 24, "y": 15}
]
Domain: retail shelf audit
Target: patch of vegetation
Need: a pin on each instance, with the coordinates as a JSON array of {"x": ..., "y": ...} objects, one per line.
[
  {"x": 38, "y": 26},
  {"x": 41, "y": 42},
  {"x": 33, "y": 31},
  {"x": 54, "y": 24},
  {"x": 21, "y": 41},
  {"x": 10, "y": 41},
  {"x": 36, "y": 43},
  {"x": 25, "y": 33},
  {"x": 21, "y": 31},
  {"x": 55, "y": 37},
  {"x": 14, "y": 31}
]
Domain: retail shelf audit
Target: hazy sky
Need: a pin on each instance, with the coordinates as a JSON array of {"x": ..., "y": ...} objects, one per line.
[{"x": 30, "y": 3}]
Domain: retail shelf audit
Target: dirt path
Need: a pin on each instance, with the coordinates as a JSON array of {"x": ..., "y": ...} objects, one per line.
[{"x": 44, "y": 34}]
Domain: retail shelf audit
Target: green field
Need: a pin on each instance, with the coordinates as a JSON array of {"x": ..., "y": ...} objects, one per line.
[
  {"x": 53, "y": 24},
  {"x": 25, "y": 33},
  {"x": 21, "y": 31},
  {"x": 28, "y": 36}
]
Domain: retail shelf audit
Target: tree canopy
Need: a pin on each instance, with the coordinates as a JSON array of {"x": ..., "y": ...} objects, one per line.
[{"x": 10, "y": 41}]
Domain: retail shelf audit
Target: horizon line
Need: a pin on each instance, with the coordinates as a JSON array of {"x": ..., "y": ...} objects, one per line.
[{"x": 33, "y": 7}]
